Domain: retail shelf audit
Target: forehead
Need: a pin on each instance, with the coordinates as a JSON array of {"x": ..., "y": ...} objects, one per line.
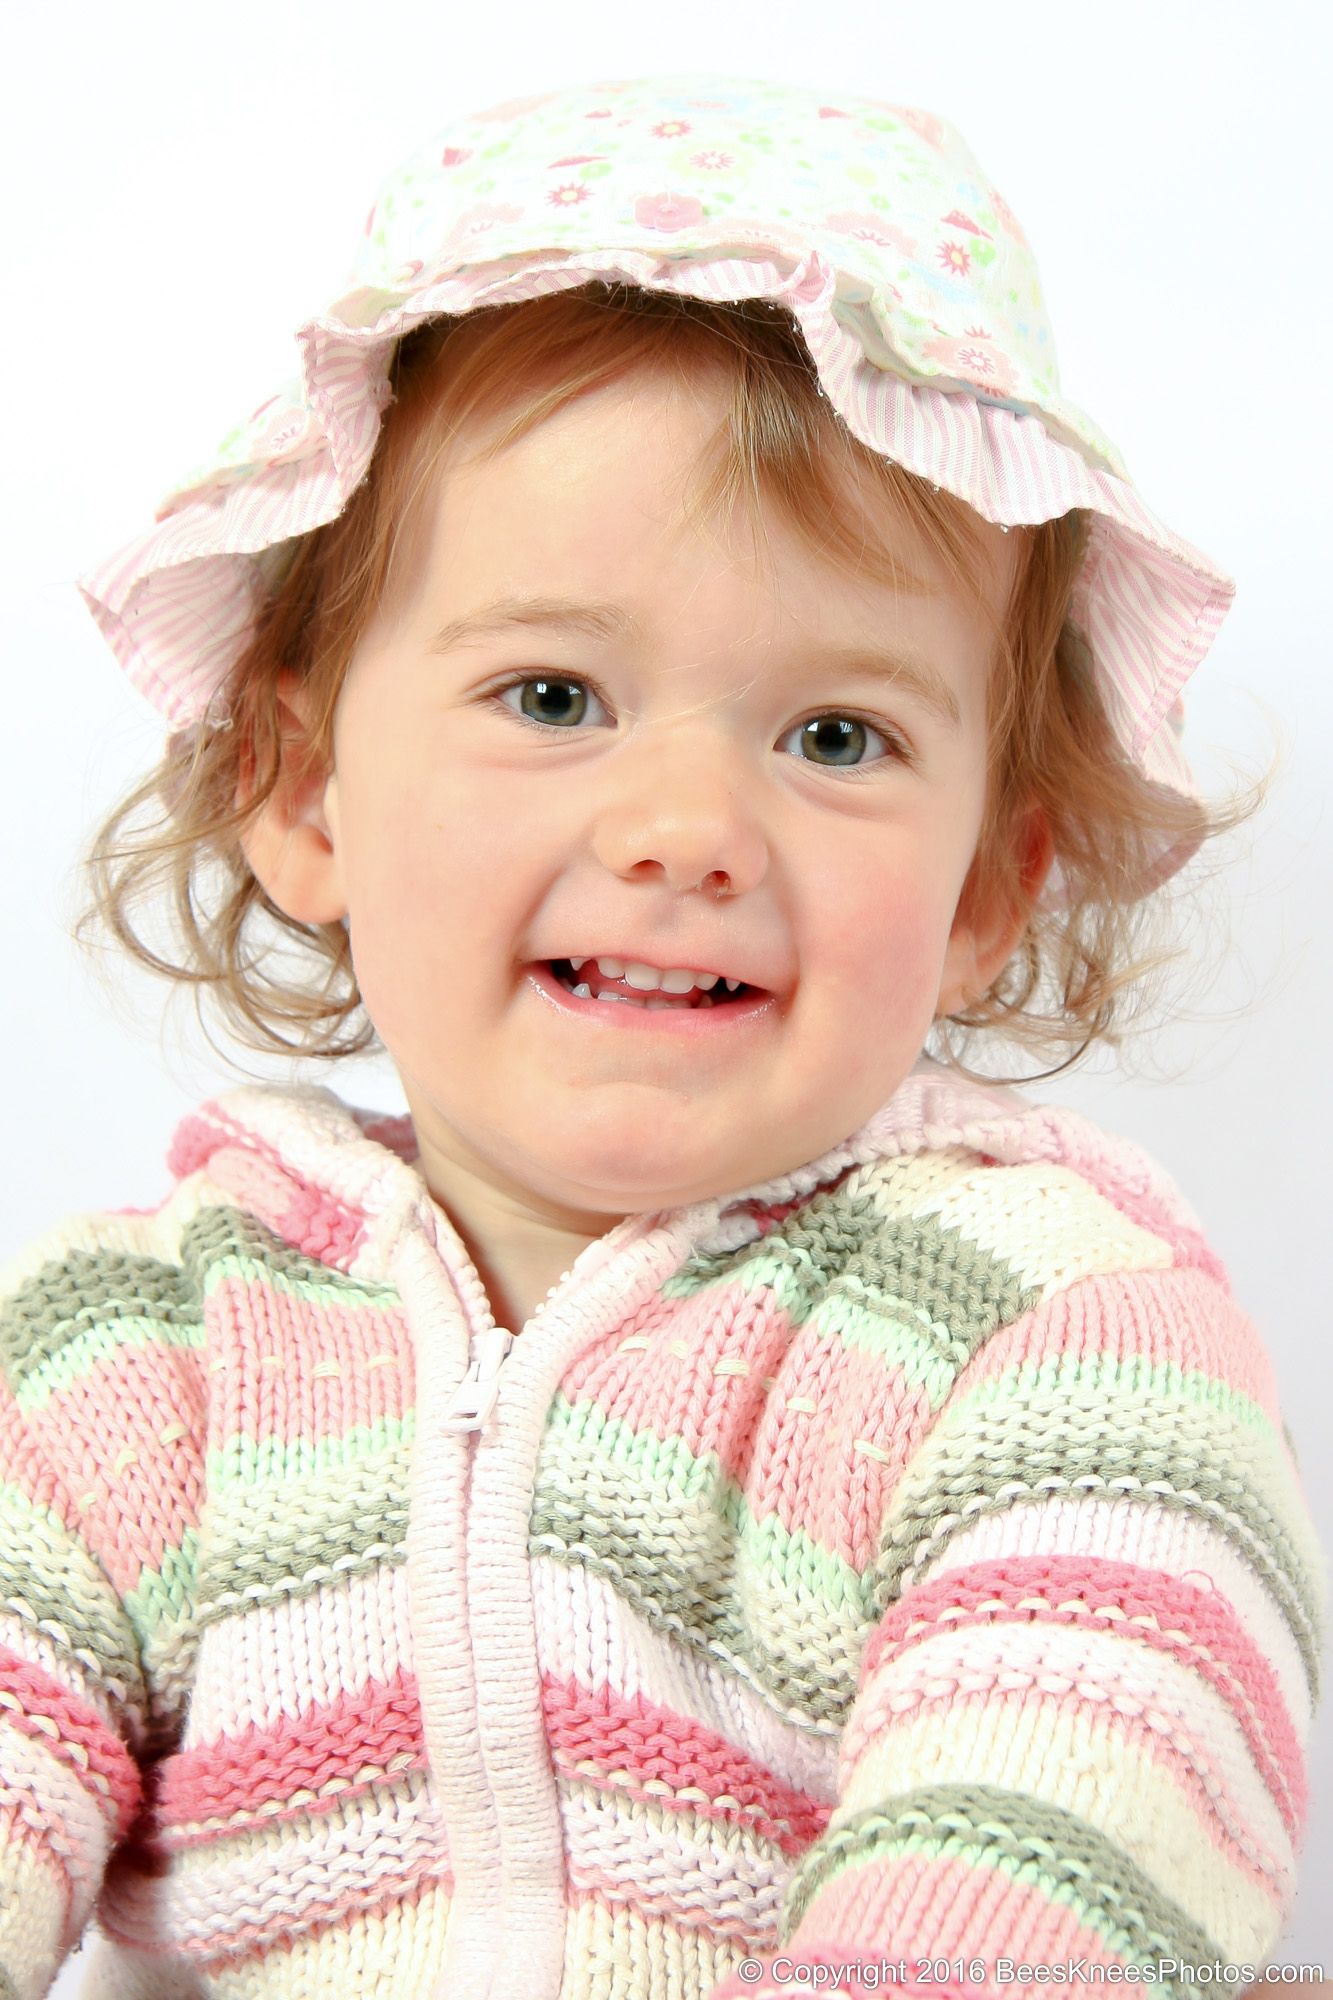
[
  {"x": 658, "y": 451},
  {"x": 578, "y": 537}
]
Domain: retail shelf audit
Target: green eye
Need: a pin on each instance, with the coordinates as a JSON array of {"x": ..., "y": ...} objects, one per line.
[
  {"x": 832, "y": 735},
  {"x": 546, "y": 704}
]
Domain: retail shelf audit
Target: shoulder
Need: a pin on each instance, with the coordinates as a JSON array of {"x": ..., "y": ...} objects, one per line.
[
  {"x": 242, "y": 1166},
  {"x": 93, "y": 1259},
  {"x": 938, "y": 1110},
  {"x": 1031, "y": 1236},
  {"x": 1027, "y": 1142},
  {"x": 1037, "y": 1192}
]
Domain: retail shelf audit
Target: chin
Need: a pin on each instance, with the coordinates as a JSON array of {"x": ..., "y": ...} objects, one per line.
[
  {"x": 622, "y": 1187},
  {"x": 632, "y": 1173}
]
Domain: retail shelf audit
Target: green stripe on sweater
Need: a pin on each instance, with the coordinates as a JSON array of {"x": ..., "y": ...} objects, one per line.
[
  {"x": 48, "y": 1578},
  {"x": 78, "y": 1309},
  {"x": 63, "y": 1302},
  {"x": 269, "y": 1539},
  {"x": 161, "y": 1608},
  {"x": 1028, "y": 1446},
  {"x": 165, "y": 1596},
  {"x": 1114, "y": 1419},
  {"x": 1115, "y": 1378},
  {"x": 228, "y": 1242},
  {"x": 84, "y": 1348},
  {"x": 246, "y": 1461},
  {"x": 677, "y": 1539},
  {"x": 1033, "y": 1842},
  {"x": 956, "y": 1290}
]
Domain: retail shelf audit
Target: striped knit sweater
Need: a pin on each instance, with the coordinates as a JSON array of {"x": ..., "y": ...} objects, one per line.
[{"x": 900, "y": 1561}]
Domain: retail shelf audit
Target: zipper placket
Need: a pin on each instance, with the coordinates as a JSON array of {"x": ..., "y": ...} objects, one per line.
[{"x": 476, "y": 1959}]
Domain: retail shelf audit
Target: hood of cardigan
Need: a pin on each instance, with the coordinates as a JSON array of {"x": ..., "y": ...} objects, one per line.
[
  {"x": 872, "y": 224},
  {"x": 340, "y": 1184}
]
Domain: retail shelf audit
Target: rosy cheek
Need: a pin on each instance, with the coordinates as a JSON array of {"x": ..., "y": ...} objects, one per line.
[
  {"x": 884, "y": 932},
  {"x": 903, "y": 939}
]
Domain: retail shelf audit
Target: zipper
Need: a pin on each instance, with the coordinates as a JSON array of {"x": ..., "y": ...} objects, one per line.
[{"x": 474, "y": 1398}]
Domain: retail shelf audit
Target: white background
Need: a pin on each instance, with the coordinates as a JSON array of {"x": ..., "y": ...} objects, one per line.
[{"x": 185, "y": 184}]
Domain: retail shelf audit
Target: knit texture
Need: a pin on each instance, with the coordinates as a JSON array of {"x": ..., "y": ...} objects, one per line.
[{"x": 903, "y": 1560}]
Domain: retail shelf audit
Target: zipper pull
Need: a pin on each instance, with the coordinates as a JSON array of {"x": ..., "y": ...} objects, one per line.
[{"x": 475, "y": 1396}]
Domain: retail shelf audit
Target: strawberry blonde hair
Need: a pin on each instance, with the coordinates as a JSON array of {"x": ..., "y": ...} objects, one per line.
[{"x": 1069, "y": 981}]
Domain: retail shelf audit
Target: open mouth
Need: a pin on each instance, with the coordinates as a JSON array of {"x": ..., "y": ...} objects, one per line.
[{"x": 592, "y": 985}]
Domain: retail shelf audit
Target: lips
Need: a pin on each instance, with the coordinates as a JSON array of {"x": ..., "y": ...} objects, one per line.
[
  {"x": 598, "y": 983},
  {"x": 700, "y": 1026}
]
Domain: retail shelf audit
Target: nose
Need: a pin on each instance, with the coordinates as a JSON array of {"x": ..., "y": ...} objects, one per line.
[{"x": 682, "y": 813}]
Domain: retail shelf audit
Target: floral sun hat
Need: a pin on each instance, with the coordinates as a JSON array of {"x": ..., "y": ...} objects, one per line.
[{"x": 910, "y": 278}]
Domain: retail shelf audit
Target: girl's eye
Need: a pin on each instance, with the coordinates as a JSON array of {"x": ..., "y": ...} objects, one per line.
[
  {"x": 551, "y": 706},
  {"x": 837, "y": 736},
  {"x": 561, "y": 704}
]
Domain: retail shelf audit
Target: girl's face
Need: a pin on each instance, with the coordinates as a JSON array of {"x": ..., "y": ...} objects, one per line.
[{"x": 469, "y": 846}]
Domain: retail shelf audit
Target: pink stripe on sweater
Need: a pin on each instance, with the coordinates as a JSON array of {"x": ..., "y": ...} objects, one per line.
[
  {"x": 829, "y": 1472},
  {"x": 303, "y": 1376},
  {"x": 337, "y": 1750},
  {"x": 681, "y": 1397},
  {"x": 628, "y": 1733},
  {"x": 1156, "y": 1316},
  {"x": 131, "y": 1521},
  {"x": 96, "y": 1755},
  {"x": 1197, "y": 1627},
  {"x": 783, "y": 1456}
]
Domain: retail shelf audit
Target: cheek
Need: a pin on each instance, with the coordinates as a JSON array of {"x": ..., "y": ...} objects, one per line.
[
  {"x": 431, "y": 871},
  {"x": 398, "y": 876},
  {"x": 413, "y": 841},
  {"x": 886, "y": 945}
]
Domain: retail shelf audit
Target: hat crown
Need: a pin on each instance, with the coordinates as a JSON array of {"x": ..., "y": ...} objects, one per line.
[{"x": 933, "y": 270}]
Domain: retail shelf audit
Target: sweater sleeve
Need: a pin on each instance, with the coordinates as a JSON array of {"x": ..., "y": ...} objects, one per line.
[
  {"x": 93, "y": 1414},
  {"x": 1080, "y": 1725}
]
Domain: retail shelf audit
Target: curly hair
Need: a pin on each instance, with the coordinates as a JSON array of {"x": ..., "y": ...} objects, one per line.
[{"x": 1050, "y": 741}]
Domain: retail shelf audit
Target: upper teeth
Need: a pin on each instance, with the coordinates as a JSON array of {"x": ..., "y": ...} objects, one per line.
[{"x": 651, "y": 979}]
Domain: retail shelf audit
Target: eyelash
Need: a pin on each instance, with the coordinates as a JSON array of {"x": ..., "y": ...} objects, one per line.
[{"x": 899, "y": 753}]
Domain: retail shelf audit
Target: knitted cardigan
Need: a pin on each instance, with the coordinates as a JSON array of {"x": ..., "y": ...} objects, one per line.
[{"x": 901, "y": 1561}]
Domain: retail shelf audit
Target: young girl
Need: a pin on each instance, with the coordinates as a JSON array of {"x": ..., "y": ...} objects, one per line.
[{"x": 706, "y": 1506}]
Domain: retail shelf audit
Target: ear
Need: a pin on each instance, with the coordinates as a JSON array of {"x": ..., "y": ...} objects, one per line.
[
  {"x": 983, "y": 940},
  {"x": 292, "y": 842}
]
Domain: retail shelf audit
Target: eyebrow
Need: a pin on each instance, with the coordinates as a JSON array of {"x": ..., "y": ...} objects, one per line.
[{"x": 602, "y": 620}]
